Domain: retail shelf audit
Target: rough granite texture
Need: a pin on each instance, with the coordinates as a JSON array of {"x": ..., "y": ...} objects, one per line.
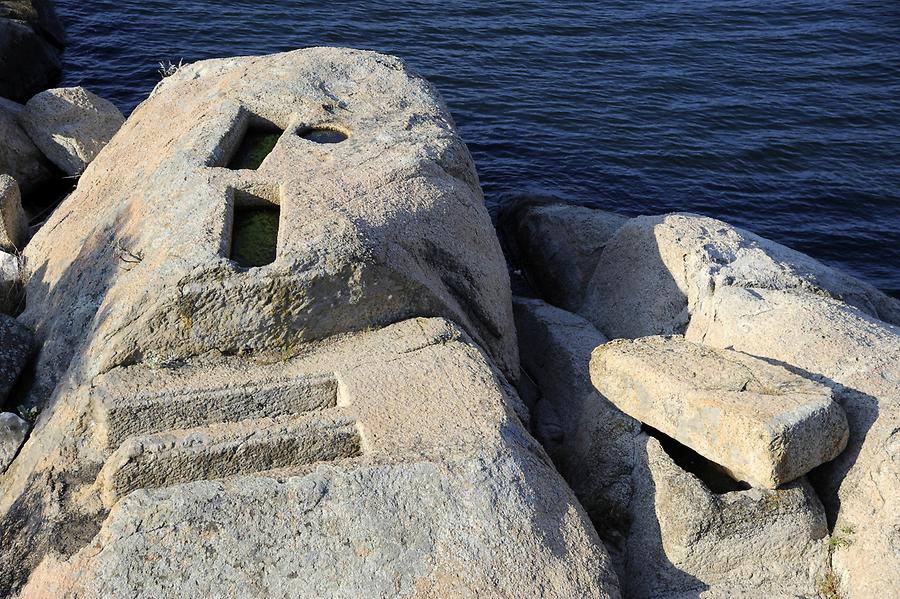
[
  {"x": 19, "y": 157},
  {"x": 70, "y": 125},
  {"x": 685, "y": 541},
  {"x": 13, "y": 431},
  {"x": 16, "y": 347},
  {"x": 391, "y": 223},
  {"x": 420, "y": 481},
  {"x": 13, "y": 222},
  {"x": 858, "y": 356},
  {"x": 765, "y": 425}
]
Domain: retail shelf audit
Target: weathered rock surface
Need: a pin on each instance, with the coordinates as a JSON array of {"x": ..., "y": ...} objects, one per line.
[
  {"x": 859, "y": 357},
  {"x": 389, "y": 223},
  {"x": 10, "y": 283},
  {"x": 13, "y": 431},
  {"x": 670, "y": 534},
  {"x": 590, "y": 441},
  {"x": 685, "y": 541},
  {"x": 295, "y": 427},
  {"x": 19, "y": 157},
  {"x": 655, "y": 270},
  {"x": 31, "y": 39},
  {"x": 765, "y": 425},
  {"x": 16, "y": 347},
  {"x": 13, "y": 222},
  {"x": 561, "y": 245},
  {"x": 70, "y": 125},
  {"x": 394, "y": 466}
]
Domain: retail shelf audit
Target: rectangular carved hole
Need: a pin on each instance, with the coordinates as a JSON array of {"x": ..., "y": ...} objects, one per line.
[
  {"x": 257, "y": 142},
  {"x": 254, "y": 232}
]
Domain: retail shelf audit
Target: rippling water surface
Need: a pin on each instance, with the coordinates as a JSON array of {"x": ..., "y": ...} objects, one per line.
[{"x": 783, "y": 117}]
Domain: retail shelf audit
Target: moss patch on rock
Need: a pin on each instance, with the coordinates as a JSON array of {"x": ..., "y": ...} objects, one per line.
[
  {"x": 254, "y": 237},
  {"x": 254, "y": 148}
]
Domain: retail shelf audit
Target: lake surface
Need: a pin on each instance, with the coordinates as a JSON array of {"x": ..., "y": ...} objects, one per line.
[{"x": 780, "y": 117}]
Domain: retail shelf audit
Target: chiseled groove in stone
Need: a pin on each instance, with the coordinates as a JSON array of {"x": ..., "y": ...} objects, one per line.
[
  {"x": 121, "y": 417},
  {"x": 221, "y": 450}
]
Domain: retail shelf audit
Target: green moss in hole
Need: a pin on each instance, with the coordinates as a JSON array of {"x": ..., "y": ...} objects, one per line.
[
  {"x": 255, "y": 146},
  {"x": 254, "y": 237}
]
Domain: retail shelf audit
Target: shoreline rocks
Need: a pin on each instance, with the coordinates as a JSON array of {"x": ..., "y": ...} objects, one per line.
[
  {"x": 31, "y": 43},
  {"x": 727, "y": 288},
  {"x": 70, "y": 125},
  {"x": 278, "y": 355},
  {"x": 351, "y": 401},
  {"x": 761, "y": 423},
  {"x": 13, "y": 223}
]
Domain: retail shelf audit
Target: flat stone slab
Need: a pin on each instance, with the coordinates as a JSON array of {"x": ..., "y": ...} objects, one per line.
[{"x": 763, "y": 424}]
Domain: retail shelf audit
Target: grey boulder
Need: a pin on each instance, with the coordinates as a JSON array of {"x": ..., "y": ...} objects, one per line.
[
  {"x": 13, "y": 222},
  {"x": 31, "y": 39},
  {"x": 70, "y": 125},
  {"x": 19, "y": 157}
]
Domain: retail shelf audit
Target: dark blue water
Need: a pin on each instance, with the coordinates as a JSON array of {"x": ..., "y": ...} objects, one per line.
[{"x": 783, "y": 117}]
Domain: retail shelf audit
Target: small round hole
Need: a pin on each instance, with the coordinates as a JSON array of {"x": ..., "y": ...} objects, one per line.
[{"x": 323, "y": 135}]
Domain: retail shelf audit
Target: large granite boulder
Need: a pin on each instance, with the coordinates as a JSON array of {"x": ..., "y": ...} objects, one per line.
[
  {"x": 156, "y": 255},
  {"x": 13, "y": 222},
  {"x": 763, "y": 424},
  {"x": 19, "y": 157},
  {"x": 859, "y": 357},
  {"x": 652, "y": 271},
  {"x": 687, "y": 541},
  {"x": 70, "y": 125},
  {"x": 655, "y": 270},
  {"x": 386, "y": 463},
  {"x": 31, "y": 42},
  {"x": 250, "y": 382}
]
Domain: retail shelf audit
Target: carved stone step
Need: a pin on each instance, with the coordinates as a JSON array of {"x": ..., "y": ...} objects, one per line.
[
  {"x": 166, "y": 405},
  {"x": 220, "y": 450}
]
